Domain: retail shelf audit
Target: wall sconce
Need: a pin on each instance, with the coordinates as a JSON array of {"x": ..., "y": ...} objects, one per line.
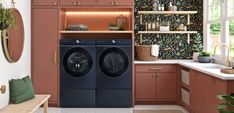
[{"x": 2, "y": 89}]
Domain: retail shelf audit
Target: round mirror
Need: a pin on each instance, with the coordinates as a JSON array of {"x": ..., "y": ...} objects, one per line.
[{"x": 13, "y": 38}]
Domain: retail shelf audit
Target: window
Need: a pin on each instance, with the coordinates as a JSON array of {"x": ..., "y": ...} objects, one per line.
[{"x": 219, "y": 26}]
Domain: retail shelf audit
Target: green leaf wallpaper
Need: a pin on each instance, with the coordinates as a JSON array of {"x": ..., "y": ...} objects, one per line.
[{"x": 173, "y": 46}]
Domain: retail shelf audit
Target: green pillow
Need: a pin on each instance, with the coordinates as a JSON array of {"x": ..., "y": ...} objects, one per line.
[{"x": 21, "y": 90}]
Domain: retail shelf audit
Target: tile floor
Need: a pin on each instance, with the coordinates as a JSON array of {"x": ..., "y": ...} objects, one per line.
[{"x": 113, "y": 110}]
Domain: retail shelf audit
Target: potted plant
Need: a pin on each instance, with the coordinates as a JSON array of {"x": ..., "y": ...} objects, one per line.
[
  {"x": 6, "y": 18},
  {"x": 204, "y": 57},
  {"x": 228, "y": 101},
  {"x": 197, "y": 46}
]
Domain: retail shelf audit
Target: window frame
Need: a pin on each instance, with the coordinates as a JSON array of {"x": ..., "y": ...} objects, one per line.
[{"x": 223, "y": 20}]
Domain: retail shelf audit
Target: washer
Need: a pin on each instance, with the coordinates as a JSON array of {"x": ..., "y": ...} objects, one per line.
[
  {"x": 77, "y": 73},
  {"x": 114, "y": 73}
]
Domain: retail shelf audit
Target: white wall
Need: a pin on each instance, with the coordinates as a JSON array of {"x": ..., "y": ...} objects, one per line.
[{"x": 23, "y": 67}]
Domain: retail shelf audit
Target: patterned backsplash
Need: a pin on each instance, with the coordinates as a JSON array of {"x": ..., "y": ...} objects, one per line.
[{"x": 173, "y": 46}]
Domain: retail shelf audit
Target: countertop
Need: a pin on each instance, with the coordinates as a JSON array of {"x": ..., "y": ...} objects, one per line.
[{"x": 207, "y": 68}]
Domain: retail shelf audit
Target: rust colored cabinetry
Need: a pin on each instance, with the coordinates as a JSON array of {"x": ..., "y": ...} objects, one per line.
[
  {"x": 203, "y": 92},
  {"x": 44, "y": 52},
  {"x": 115, "y": 2},
  {"x": 155, "y": 83},
  {"x": 77, "y": 2},
  {"x": 45, "y": 2}
]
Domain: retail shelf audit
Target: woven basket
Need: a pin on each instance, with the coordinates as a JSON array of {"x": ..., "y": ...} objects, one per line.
[{"x": 144, "y": 53}]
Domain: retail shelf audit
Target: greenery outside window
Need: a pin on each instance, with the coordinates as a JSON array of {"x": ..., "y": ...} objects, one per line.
[{"x": 219, "y": 26}]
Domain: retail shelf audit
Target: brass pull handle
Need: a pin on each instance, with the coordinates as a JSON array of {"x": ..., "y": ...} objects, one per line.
[
  {"x": 75, "y": 3},
  {"x": 157, "y": 75},
  {"x": 78, "y": 3},
  {"x": 112, "y": 3},
  {"x": 155, "y": 69},
  {"x": 154, "y": 75},
  {"x": 55, "y": 57},
  {"x": 116, "y": 3},
  {"x": 3, "y": 89},
  {"x": 55, "y": 3}
]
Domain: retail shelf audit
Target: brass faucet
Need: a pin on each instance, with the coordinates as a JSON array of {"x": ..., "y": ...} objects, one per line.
[{"x": 228, "y": 57}]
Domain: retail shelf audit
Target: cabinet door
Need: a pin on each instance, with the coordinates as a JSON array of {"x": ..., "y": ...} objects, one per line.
[
  {"x": 106, "y": 2},
  {"x": 217, "y": 87},
  {"x": 123, "y": 2},
  {"x": 196, "y": 92},
  {"x": 145, "y": 86},
  {"x": 78, "y": 2},
  {"x": 166, "y": 86},
  {"x": 45, "y": 2},
  {"x": 44, "y": 47}
]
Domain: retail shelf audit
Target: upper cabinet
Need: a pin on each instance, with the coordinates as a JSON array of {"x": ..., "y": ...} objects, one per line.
[
  {"x": 45, "y": 2},
  {"x": 77, "y": 2},
  {"x": 114, "y": 2}
]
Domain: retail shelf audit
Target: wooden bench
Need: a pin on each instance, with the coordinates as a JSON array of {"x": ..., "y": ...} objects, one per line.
[{"x": 29, "y": 106}]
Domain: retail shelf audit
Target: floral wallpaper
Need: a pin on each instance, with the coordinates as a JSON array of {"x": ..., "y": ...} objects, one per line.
[{"x": 172, "y": 46}]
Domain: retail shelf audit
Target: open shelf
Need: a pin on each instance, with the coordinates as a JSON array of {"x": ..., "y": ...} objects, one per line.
[
  {"x": 167, "y": 32},
  {"x": 93, "y": 32},
  {"x": 167, "y": 12}
]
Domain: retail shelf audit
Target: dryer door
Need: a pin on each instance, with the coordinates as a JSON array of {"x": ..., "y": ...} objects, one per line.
[
  {"x": 77, "y": 62},
  {"x": 113, "y": 62}
]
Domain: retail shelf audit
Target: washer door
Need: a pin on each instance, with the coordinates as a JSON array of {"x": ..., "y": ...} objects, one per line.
[
  {"x": 113, "y": 62},
  {"x": 78, "y": 62}
]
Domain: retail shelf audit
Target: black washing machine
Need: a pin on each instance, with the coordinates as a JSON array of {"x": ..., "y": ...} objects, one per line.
[
  {"x": 114, "y": 73},
  {"x": 77, "y": 87}
]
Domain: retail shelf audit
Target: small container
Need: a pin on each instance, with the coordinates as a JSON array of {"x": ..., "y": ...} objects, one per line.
[
  {"x": 149, "y": 26},
  {"x": 153, "y": 26},
  {"x": 157, "y": 25},
  {"x": 155, "y": 6},
  {"x": 162, "y": 7}
]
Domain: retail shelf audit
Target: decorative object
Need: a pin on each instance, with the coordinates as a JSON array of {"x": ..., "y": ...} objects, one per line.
[
  {"x": 21, "y": 90},
  {"x": 144, "y": 53},
  {"x": 195, "y": 56},
  {"x": 172, "y": 46},
  {"x": 227, "y": 71},
  {"x": 12, "y": 32},
  {"x": 170, "y": 7},
  {"x": 165, "y": 26},
  {"x": 115, "y": 27},
  {"x": 204, "y": 57},
  {"x": 181, "y": 27},
  {"x": 78, "y": 27},
  {"x": 227, "y": 102},
  {"x": 155, "y": 4},
  {"x": 121, "y": 21}
]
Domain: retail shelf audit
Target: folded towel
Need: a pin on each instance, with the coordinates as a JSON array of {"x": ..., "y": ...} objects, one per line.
[{"x": 154, "y": 50}]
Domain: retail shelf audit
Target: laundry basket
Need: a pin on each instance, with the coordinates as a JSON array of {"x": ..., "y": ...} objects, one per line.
[{"x": 144, "y": 53}]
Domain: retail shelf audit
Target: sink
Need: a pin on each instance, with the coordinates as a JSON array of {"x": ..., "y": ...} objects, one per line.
[{"x": 211, "y": 66}]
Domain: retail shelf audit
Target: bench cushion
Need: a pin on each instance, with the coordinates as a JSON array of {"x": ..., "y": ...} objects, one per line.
[{"x": 21, "y": 90}]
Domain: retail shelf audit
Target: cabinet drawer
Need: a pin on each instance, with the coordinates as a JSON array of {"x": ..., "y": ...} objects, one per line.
[
  {"x": 185, "y": 77},
  {"x": 185, "y": 96},
  {"x": 155, "y": 68}
]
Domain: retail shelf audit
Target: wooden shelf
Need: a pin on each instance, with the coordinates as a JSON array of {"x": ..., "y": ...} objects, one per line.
[
  {"x": 167, "y": 32},
  {"x": 168, "y": 12},
  {"x": 93, "y": 32}
]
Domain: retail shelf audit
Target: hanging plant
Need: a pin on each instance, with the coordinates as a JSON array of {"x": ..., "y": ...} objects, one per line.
[{"x": 6, "y": 18}]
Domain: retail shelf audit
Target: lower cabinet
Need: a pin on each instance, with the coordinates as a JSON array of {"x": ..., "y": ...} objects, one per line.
[
  {"x": 203, "y": 92},
  {"x": 155, "y": 83}
]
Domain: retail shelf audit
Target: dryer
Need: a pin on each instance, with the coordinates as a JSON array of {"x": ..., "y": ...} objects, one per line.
[
  {"x": 77, "y": 79},
  {"x": 114, "y": 73}
]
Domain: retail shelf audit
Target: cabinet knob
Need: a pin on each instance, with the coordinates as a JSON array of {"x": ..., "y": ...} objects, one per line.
[
  {"x": 116, "y": 3},
  {"x": 55, "y": 3},
  {"x": 75, "y": 3},
  {"x": 78, "y": 3},
  {"x": 3, "y": 89}
]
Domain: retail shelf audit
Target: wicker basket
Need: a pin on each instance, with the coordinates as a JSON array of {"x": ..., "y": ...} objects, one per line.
[{"x": 144, "y": 53}]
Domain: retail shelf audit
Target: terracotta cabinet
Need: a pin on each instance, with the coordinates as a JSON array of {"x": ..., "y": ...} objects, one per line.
[
  {"x": 114, "y": 2},
  {"x": 203, "y": 92},
  {"x": 45, "y": 2},
  {"x": 156, "y": 83},
  {"x": 145, "y": 86},
  {"x": 78, "y": 2},
  {"x": 44, "y": 52}
]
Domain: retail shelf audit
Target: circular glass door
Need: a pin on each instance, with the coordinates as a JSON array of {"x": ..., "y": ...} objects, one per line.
[
  {"x": 113, "y": 62},
  {"x": 78, "y": 62}
]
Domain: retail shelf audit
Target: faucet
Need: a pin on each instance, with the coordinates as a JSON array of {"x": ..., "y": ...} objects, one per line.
[{"x": 228, "y": 57}]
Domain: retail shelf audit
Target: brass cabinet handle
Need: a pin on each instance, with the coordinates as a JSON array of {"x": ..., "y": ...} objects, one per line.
[
  {"x": 154, "y": 75},
  {"x": 157, "y": 75},
  {"x": 3, "y": 89},
  {"x": 116, "y": 3},
  {"x": 112, "y": 3},
  {"x": 155, "y": 69},
  {"x": 78, "y": 3},
  {"x": 55, "y": 57},
  {"x": 55, "y": 3},
  {"x": 75, "y": 3}
]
